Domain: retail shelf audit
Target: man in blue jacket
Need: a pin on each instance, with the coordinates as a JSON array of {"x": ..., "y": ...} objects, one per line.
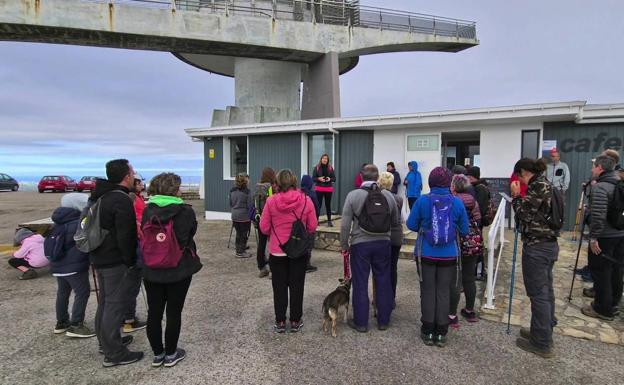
[{"x": 413, "y": 182}]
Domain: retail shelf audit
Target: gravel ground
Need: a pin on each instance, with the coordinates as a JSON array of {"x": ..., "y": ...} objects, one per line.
[{"x": 227, "y": 333}]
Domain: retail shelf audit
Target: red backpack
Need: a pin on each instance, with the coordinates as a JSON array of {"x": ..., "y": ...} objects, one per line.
[{"x": 159, "y": 245}]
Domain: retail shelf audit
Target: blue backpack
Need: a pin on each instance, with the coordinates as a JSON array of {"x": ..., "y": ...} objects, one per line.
[
  {"x": 54, "y": 244},
  {"x": 442, "y": 227}
]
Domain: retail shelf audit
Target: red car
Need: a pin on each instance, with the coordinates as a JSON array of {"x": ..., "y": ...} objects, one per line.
[
  {"x": 87, "y": 183},
  {"x": 53, "y": 183}
]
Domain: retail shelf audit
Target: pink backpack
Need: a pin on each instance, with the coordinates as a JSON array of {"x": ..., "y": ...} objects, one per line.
[{"x": 159, "y": 245}]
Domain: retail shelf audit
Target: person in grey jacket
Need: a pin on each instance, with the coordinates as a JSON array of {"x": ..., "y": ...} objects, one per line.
[
  {"x": 558, "y": 172},
  {"x": 606, "y": 243},
  {"x": 240, "y": 201},
  {"x": 368, "y": 251}
]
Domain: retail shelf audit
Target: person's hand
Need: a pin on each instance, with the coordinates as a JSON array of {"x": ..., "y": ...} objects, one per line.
[
  {"x": 595, "y": 247},
  {"x": 515, "y": 189}
]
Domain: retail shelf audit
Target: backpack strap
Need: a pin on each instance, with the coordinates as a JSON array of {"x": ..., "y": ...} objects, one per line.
[{"x": 305, "y": 203}]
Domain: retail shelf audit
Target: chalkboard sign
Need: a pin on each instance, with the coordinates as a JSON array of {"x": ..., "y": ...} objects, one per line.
[{"x": 496, "y": 186}]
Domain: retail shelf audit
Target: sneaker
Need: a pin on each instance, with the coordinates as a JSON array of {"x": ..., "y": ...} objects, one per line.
[
  {"x": 172, "y": 360},
  {"x": 528, "y": 346},
  {"x": 589, "y": 292},
  {"x": 330, "y": 224},
  {"x": 263, "y": 272},
  {"x": 158, "y": 360},
  {"x": 359, "y": 329},
  {"x": 583, "y": 270},
  {"x": 469, "y": 315},
  {"x": 243, "y": 255},
  {"x": 589, "y": 311},
  {"x": 28, "y": 274},
  {"x": 296, "y": 326},
  {"x": 61, "y": 327},
  {"x": 526, "y": 334},
  {"x": 311, "y": 269},
  {"x": 383, "y": 327},
  {"x": 125, "y": 341},
  {"x": 280, "y": 327},
  {"x": 130, "y": 327},
  {"x": 427, "y": 339},
  {"x": 454, "y": 322},
  {"x": 130, "y": 358},
  {"x": 440, "y": 341},
  {"x": 79, "y": 330}
]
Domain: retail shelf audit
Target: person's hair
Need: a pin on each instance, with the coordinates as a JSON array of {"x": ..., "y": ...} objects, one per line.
[
  {"x": 390, "y": 164},
  {"x": 536, "y": 167},
  {"x": 460, "y": 183},
  {"x": 321, "y": 158},
  {"x": 605, "y": 161},
  {"x": 166, "y": 183},
  {"x": 268, "y": 175},
  {"x": 117, "y": 170},
  {"x": 370, "y": 173},
  {"x": 612, "y": 154},
  {"x": 241, "y": 181},
  {"x": 385, "y": 180},
  {"x": 286, "y": 180},
  {"x": 138, "y": 181}
]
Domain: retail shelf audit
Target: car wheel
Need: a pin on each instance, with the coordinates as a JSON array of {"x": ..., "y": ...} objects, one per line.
[
  {"x": 40, "y": 191},
  {"x": 79, "y": 190},
  {"x": 15, "y": 188}
]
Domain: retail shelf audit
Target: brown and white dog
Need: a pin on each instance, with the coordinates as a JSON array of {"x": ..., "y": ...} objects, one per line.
[{"x": 334, "y": 302}]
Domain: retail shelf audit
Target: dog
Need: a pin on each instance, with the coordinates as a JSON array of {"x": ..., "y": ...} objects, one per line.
[{"x": 334, "y": 302}]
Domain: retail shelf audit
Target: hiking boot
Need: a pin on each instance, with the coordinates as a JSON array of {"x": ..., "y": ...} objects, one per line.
[
  {"x": 79, "y": 330},
  {"x": 280, "y": 327},
  {"x": 469, "y": 315},
  {"x": 61, "y": 327},
  {"x": 359, "y": 329},
  {"x": 172, "y": 360},
  {"x": 158, "y": 360},
  {"x": 311, "y": 269},
  {"x": 330, "y": 224},
  {"x": 528, "y": 346},
  {"x": 296, "y": 326},
  {"x": 427, "y": 339},
  {"x": 440, "y": 341},
  {"x": 454, "y": 322},
  {"x": 130, "y": 358},
  {"x": 526, "y": 334},
  {"x": 583, "y": 270},
  {"x": 263, "y": 272},
  {"x": 130, "y": 327},
  {"x": 383, "y": 327},
  {"x": 28, "y": 274},
  {"x": 125, "y": 341},
  {"x": 243, "y": 255},
  {"x": 589, "y": 292},
  {"x": 589, "y": 311}
]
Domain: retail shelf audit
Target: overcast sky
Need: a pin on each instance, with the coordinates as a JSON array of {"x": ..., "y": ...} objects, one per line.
[{"x": 66, "y": 109}]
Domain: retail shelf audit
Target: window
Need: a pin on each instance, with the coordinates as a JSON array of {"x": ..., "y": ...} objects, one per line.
[
  {"x": 238, "y": 156},
  {"x": 530, "y": 144},
  {"x": 319, "y": 144},
  {"x": 422, "y": 143}
]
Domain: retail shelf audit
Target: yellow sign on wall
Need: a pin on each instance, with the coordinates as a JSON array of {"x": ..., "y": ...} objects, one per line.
[{"x": 211, "y": 153}]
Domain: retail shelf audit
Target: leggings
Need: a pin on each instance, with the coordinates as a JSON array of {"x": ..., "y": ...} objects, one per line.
[
  {"x": 19, "y": 262},
  {"x": 467, "y": 282},
  {"x": 327, "y": 196}
]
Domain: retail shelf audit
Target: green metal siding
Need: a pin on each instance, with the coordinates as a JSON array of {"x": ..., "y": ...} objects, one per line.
[
  {"x": 277, "y": 151},
  {"x": 579, "y": 144},
  {"x": 216, "y": 189},
  {"x": 354, "y": 148}
]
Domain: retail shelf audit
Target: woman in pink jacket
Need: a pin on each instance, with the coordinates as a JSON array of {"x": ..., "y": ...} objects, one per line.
[{"x": 280, "y": 212}]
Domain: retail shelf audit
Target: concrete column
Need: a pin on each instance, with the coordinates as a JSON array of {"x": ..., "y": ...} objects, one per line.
[{"x": 321, "y": 88}]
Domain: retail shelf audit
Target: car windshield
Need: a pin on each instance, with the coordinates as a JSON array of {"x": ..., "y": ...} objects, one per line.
[{"x": 51, "y": 178}]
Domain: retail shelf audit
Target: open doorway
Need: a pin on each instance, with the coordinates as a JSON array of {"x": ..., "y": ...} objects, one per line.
[{"x": 461, "y": 148}]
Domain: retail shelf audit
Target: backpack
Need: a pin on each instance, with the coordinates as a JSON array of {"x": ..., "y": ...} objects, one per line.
[
  {"x": 90, "y": 234},
  {"x": 260, "y": 196},
  {"x": 556, "y": 215},
  {"x": 442, "y": 230},
  {"x": 375, "y": 215},
  {"x": 472, "y": 244},
  {"x": 54, "y": 244},
  {"x": 159, "y": 246},
  {"x": 300, "y": 241},
  {"x": 615, "y": 215},
  {"x": 488, "y": 214}
]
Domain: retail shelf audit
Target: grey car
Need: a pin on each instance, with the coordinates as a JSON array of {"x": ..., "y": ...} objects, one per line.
[{"x": 8, "y": 183}]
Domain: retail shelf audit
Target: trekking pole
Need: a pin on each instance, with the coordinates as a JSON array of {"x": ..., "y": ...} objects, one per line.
[
  {"x": 231, "y": 231},
  {"x": 97, "y": 291},
  {"x": 579, "y": 215},
  {"x": 513, "y": 279},
  {"x": 578, "y": 253}
]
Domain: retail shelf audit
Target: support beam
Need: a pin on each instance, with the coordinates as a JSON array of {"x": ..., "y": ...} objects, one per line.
[{"x": 321, "y": 88}]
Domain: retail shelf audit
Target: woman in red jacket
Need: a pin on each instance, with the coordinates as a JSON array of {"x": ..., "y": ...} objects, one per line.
[{"x": 280, "y": 211}]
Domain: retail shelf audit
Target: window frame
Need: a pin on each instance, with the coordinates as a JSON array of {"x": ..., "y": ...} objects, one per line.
[
  {"x": 539, "y": 134},
  {"x": 227, "y": 156}
]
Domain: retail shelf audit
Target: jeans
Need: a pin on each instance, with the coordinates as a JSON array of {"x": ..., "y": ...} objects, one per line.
[
  {"x": 288, "y": 278},
  {"x": 116, "y": 285},
  {"x": 327, "y": 196},
  {"x": 170, "y": 296},
  {"x": 468, "y": 279},
  {"x": 606, "y": 270},
  {"x": 242, "y": 235},
  {"x": 435, "y": 290},
  {"x": 261, "y": 252},
  {"x": 79, "y": 283}
]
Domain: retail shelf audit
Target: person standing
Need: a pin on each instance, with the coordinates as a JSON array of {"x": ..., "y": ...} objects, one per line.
[
  {"x": 264, "y": 189},
  {"x": 397, "y": 177},
  {"x": 558, "y": 172},
  {"x": 288, "y": 274},
  {"x": 606, "y": 243},
  {"x": 167, "y": 288},
  {"x": 369, "y": 249},
  {"x": 540, "y": 251},
  {"x": 357, "y": 183},
  {"x": 240, "y": 201},
  {"x": 439, "y": 218},
  {"x": 307, "y": 188},
  {"x": 483, "y": 197},
  {"x": 115, "y": 261},
  {"x": 324, "y": 179},
  {"x": 396, "y": 233},
  {"x": 413, "y": 183}
]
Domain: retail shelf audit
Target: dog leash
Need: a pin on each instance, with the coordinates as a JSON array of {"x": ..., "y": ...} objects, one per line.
[{"x": 346, "y": 255}]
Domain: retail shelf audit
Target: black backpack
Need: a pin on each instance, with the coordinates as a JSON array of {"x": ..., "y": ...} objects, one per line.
[
  {"x": 615, "y": 215},
  {"x": 375, "y": 215},
  {"x": 556, "y": 215},
  {"x": 300, "y": 241},
  {"x": 54, "y": 244}
]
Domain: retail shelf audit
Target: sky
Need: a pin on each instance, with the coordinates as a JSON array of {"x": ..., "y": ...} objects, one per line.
[{"x": 69, "y": 109}]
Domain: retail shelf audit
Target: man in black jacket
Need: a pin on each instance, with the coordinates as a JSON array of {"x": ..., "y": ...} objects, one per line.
[{"x": 115, "y": 261}]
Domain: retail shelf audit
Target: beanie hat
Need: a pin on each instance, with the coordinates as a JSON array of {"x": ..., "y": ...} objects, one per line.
[
  {"x": 440, "y": 177},
  {"x": 475, "y": 172},
  {"x": 22, "y": 234},
  {"x": 459, "y": 169},
  {"x": 76, "y": 201}
]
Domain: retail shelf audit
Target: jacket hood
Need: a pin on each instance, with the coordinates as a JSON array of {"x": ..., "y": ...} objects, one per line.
[
  {"x": 608, "y": 176},
  {"x": 64, "y": 215},
  {"x": 306, "y": 182},
  {"x": 76, "y": 201},
  {"x": 102, "y": 186},
  {"x": 414, "y": 165},
  {"x": 289, "y": 200},
  {"x": 164, "y": 213}
]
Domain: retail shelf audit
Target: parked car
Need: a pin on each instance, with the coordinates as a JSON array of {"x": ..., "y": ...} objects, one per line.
[
  {"x": 60, "y": 183},
  {"x": 8, "y": 183},
  {"x": 87, "y": 183}
]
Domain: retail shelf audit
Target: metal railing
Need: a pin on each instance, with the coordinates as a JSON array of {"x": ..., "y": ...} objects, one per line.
[
  {"x": 347, "y": 13},
  {"x": 496, "y": 239}
]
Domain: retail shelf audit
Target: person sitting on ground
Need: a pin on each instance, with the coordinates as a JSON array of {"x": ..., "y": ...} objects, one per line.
[
  {"x": 307, "y": 188},
  {"x": 471, "y": 246},
  {"x": 264, "y": 189},
  {"x": 70, "y": 266},
  {"x": 438, "y": 217},
  {"x": 166, "y": 288},
  {"x": 240, "y": 201},
  {"x": 288, "y": 273},
  {"x": 386, "y": 181},
  {"x": 30, "y": 254}
]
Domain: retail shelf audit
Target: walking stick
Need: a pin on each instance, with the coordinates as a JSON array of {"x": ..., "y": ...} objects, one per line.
[
  {"x": 578, "y": 253},
  {"x": 97, "y": 291},
  {"x": 579, "y": 215},
  {"x": 513, "y": 279},
  {"x": 231, "y": 231}
]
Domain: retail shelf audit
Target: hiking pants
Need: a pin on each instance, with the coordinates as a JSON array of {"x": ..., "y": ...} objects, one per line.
[
  {"x": 365, "y": 256},
  {"x": 242, "y": 235},
  {"x": 435, "y": 291},
  {"x": 79, "y": 283},
  {"x": 537, "y": 270},
  {"x": 606, "y": 271},
  {"x": 467, "y": 282},
  {"x": 261, "y": 252},
  {"x": 327, "y": 196},
  {"x": 288, "y": 280},
  {"x": 394, "y": 256},
  {"x": 19, "y": 262}
]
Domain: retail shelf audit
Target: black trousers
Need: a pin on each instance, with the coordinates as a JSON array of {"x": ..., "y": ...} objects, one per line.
[
  {"x": 171, "y": 296},
  {"x": 394, "y": 256},
  {"x": 411, "y": 201},
  {"x": 260, "y": 253},
  {"x": 467, "y": 281},
  {"x": 327, "y": 196},
  {"x": 435, "y": 291},
  {"x": 288, "y": 279},
  {"x": 19, "y": 262},
  {"x": 79, "y": 284},
  {"x": 606, "y": 270},
  {"x": 242, "y": 235}
]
